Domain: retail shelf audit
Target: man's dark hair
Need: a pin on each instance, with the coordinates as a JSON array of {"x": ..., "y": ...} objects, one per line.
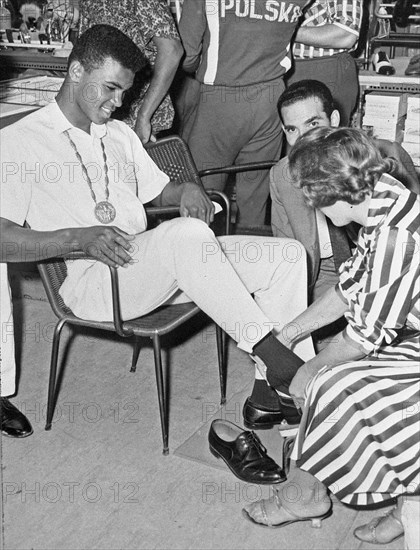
[
  {"x": 304, "y": 89},
  {"x": 102, "y": 41}
]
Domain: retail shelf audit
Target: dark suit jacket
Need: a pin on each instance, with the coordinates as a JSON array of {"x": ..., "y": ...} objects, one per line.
[{"x": 292, "y": 218}]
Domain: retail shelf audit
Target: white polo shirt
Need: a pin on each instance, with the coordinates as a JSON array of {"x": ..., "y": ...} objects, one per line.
[{"x": 42, "y": 182}]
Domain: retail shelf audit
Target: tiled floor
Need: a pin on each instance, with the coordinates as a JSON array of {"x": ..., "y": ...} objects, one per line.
[{"x": 98, "y": 479}]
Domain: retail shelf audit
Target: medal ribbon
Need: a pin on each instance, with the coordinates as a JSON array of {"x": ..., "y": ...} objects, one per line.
[{"x": 84, "y": 169}]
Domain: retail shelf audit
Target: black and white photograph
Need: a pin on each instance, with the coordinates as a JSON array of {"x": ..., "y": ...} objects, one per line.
[{"x": 210, "y": 274}]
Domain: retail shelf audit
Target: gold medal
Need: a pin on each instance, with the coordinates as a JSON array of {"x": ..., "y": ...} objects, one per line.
[{"x": 105, "y": 212}]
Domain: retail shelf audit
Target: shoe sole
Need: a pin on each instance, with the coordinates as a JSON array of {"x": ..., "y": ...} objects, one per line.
[
  {"x": 257, "y": 426},
  {"x": 17, "y": 436},
  {"x": 315, "y": 522},
  {"x": 218, "y": 455},
  {"x": 282, "y": 426},
  {"x": 377, "y": 542}
]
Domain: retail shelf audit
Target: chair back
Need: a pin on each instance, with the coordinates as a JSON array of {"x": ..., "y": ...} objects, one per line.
[{"x": 172, "y": 156}]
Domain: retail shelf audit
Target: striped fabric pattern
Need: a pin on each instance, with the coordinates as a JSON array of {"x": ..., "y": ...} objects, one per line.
[
  {"x": 381, "y": 282},
  {"x": 359, "y": 433},
  {"x": 360, "y": 430},
  {"x": 346, "y": 14}
]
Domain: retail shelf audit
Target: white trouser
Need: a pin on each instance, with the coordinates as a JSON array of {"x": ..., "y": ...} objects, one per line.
[
  {"x": 7, "y": 344},
  {"x": 219, "y": 275}
]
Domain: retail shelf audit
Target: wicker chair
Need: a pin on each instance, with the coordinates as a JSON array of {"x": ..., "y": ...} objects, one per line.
[{"x": 173, "y": 157}]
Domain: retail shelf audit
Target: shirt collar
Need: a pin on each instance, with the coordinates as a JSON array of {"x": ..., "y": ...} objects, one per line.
[{"x": 61, "y": 123}]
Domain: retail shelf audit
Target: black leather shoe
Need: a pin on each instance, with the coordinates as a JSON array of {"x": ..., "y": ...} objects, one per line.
[
  {"x": 257, "y": 417},
  {"x": 13, "y": 422},
  {"x": 244, "y": 454}
]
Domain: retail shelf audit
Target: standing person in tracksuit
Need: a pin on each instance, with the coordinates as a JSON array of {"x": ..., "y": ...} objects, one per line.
[{"x": 239, "y": 51}]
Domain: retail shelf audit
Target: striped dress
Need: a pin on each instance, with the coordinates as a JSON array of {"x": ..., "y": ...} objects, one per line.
[{"x": 360, "y": 430}]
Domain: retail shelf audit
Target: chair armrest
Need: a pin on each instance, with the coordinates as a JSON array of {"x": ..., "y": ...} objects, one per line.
[
  {"x": 234, "y": 169},
  {"x": 78, "y": 256},
  {"x": 214, "y": 194},
  {"x": 161, "y": 210},
  {"x": 222, "y": 199}
]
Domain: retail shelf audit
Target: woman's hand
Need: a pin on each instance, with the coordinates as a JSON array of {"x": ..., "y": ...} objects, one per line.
[{"x": 301, "y": 379}]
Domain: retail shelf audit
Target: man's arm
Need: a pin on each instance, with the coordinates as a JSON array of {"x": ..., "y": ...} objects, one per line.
[
  {"x": 191, "y": 28},
  {"x": 109, "y": 245},
  {"x": 326, "y": 36},
  {"x": 169, "y": 53},
  {"x": 191, "y": 197},
  {"x": 342, "y": 29}
]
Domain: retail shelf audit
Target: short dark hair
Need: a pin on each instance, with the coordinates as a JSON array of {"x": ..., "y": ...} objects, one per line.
[
  {"x": 304, "y": 89},
  {"x": 336, "y": 164},
  {"x": 104, "y": 41}
]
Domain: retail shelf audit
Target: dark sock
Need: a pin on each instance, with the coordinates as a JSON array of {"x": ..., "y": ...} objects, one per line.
[
  {"x": 265, "y": 396},
  {"x": 291, "y": 414},
  {"x": 281, "y": 363}
]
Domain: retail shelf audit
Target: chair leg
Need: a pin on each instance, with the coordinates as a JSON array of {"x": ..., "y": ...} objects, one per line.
[
  {"x": 161, "y": 392},
  {"x": 53, "y": 373},
  {"x": 136, "y": 352},
  {"x": 221, "y": 355}
]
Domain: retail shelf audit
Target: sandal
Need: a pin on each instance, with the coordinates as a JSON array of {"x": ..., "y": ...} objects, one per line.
[
  {"x": 381, "y": 530},
  {"x": 290, "y": 517}
]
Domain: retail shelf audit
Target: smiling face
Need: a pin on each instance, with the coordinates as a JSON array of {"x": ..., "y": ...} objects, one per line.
[
  {"x": 96, "y": 94},
  {"x": 300, "y": 117}
]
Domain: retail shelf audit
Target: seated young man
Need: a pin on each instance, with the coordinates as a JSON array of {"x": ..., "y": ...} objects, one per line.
[
  {"x": 304, "y": 105},
  {"x": 80, "y": 179}
]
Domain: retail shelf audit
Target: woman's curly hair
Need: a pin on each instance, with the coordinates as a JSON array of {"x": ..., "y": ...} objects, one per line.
[{"x": 336, "y": 164}]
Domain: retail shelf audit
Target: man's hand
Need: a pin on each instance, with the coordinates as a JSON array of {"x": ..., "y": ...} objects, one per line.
[
  {"x": 109, "y": 245},
  {"x": 301, "y": 379},
  {"x": 196, "y": 204}
]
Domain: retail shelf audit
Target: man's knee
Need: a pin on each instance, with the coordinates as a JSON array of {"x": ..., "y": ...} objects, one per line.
[
  {"x": 287, "y": 251},
  {"x": 190, "y": 228}
]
